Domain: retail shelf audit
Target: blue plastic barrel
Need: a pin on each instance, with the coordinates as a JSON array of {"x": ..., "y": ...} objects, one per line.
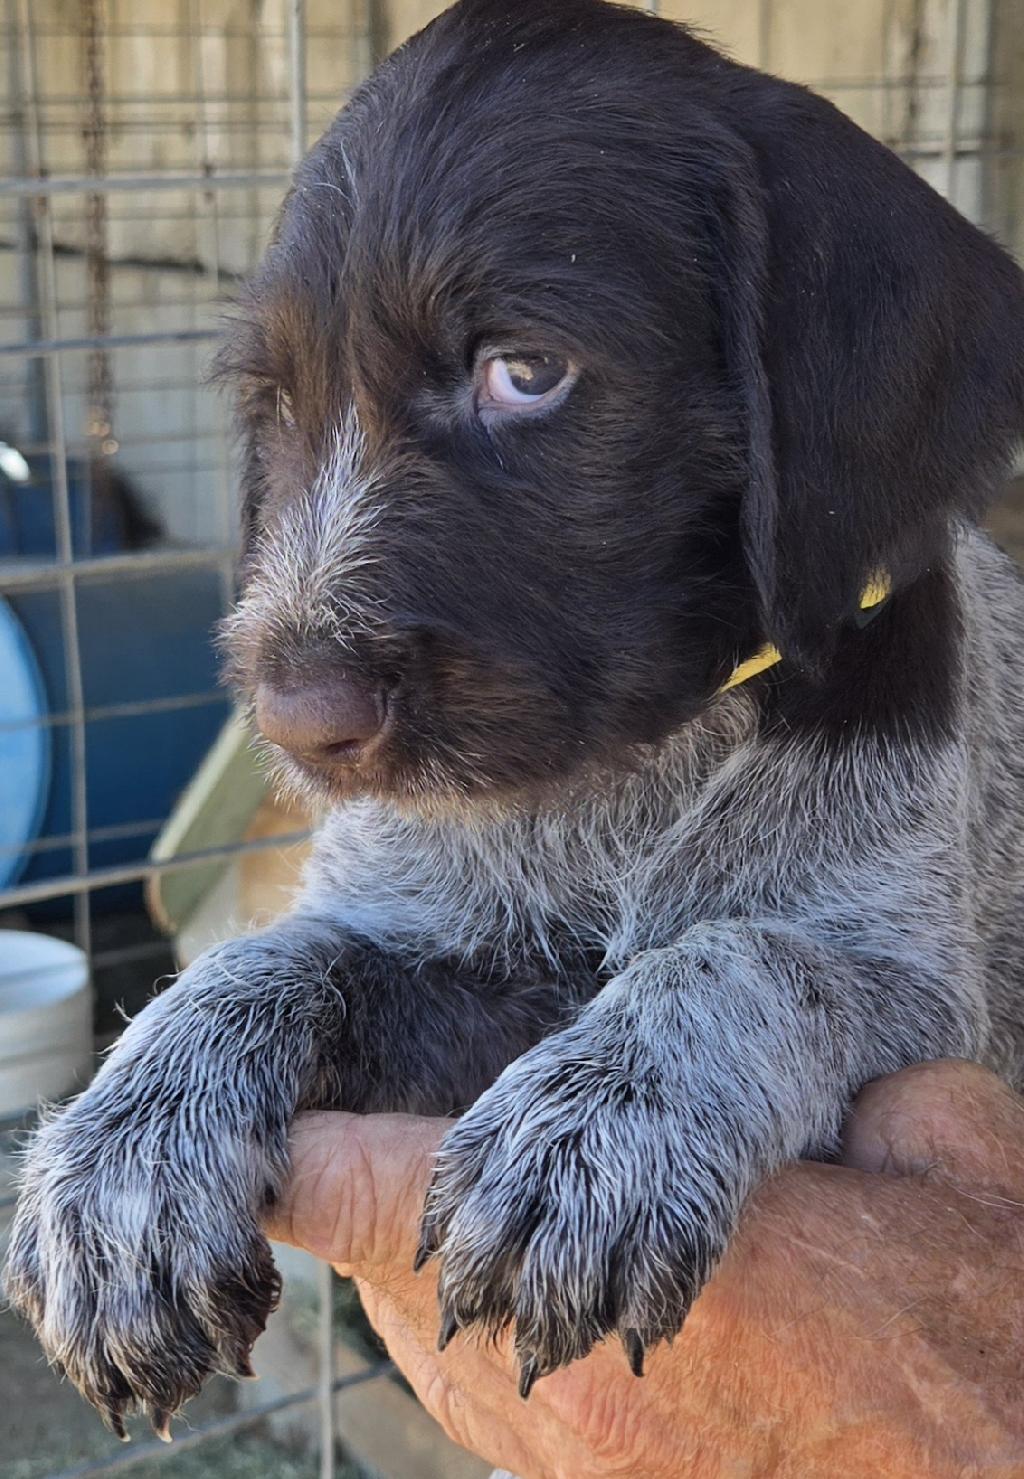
[
  {"x": 144, "y": 640},
  {"x": 25, "y": 759}
]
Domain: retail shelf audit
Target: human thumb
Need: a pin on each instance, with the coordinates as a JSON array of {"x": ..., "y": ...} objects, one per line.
[{"x": 952, "y": 1120}]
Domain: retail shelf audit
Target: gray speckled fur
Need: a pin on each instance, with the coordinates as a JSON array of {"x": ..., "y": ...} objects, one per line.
[{"x": 651, "y": 995}]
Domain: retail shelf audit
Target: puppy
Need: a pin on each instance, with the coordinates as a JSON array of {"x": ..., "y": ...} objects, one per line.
[{"x": 615, "y": 420}]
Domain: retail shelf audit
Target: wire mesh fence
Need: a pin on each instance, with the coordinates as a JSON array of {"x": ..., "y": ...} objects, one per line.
[
  {"x": 148, "y": 147},
  {"x": 148, "y": 143}
]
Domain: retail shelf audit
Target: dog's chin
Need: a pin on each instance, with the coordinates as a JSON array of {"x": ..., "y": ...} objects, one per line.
[
  {"x": 430, "y": 788},
  {"x": 435, "y": 786},
  {"x": 436, "y": 789}
]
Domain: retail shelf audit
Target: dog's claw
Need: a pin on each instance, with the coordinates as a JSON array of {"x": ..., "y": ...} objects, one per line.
[
  {"x": 528, "y": 1374},
  {"x": 428, "y": 1244},
  {"x": 112, "y": 1405},
  {"x": 161, "y": 1421},
  {"x": 634, "y": 1351},
  {"x": 449, "y": 1328},
  {"x": 115, "y": 1422}
]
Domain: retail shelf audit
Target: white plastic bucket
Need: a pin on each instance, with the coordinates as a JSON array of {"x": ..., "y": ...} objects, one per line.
[{"x": 45, "y": 1020}]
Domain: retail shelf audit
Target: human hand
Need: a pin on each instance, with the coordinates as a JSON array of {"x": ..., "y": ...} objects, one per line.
[{"x": 867, "y": 1319}]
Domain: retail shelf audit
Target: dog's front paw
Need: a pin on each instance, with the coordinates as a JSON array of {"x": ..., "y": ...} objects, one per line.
[
  {"x": 136, "y": 1252},
  {"x": 575, "y": 1201}
]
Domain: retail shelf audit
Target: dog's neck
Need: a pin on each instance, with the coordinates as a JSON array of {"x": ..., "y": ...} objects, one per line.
[{"x": 874, "y": 597}]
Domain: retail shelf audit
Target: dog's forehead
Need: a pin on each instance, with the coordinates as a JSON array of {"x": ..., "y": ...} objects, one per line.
[
  {"x": 496, "y": 127},
  {"x": 488, "y": 179}
]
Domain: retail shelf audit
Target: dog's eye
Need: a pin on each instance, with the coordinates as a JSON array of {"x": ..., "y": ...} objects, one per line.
[{"x": 513, "y": 382}]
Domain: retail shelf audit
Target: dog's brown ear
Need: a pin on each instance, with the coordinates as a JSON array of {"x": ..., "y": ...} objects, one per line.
[{"x": 878, "y": 340}]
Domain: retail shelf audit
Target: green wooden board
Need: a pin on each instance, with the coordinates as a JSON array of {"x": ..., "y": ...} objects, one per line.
[{"x": 215, "y": 810}]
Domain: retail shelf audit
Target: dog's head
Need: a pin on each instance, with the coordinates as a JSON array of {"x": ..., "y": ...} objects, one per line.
[{"x": 582, "y": 362}]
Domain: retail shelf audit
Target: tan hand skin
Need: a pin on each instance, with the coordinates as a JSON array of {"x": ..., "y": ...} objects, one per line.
[{"x": 867, "y": 1321}]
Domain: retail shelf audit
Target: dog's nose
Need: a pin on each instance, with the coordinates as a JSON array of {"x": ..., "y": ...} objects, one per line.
[{"x": 328, "y": 722}]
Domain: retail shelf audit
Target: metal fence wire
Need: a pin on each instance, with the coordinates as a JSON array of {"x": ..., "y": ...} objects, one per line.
[{"x": 148, "y": 145}]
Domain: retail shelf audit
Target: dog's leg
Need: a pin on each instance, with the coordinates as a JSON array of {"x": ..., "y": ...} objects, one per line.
[
  {"x": 137, "y": 1251},
  {"x": 594, "y": 1186}
]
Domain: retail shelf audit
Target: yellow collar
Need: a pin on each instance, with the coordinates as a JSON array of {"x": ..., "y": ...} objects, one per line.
[{"x": 875, "y": 593}]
